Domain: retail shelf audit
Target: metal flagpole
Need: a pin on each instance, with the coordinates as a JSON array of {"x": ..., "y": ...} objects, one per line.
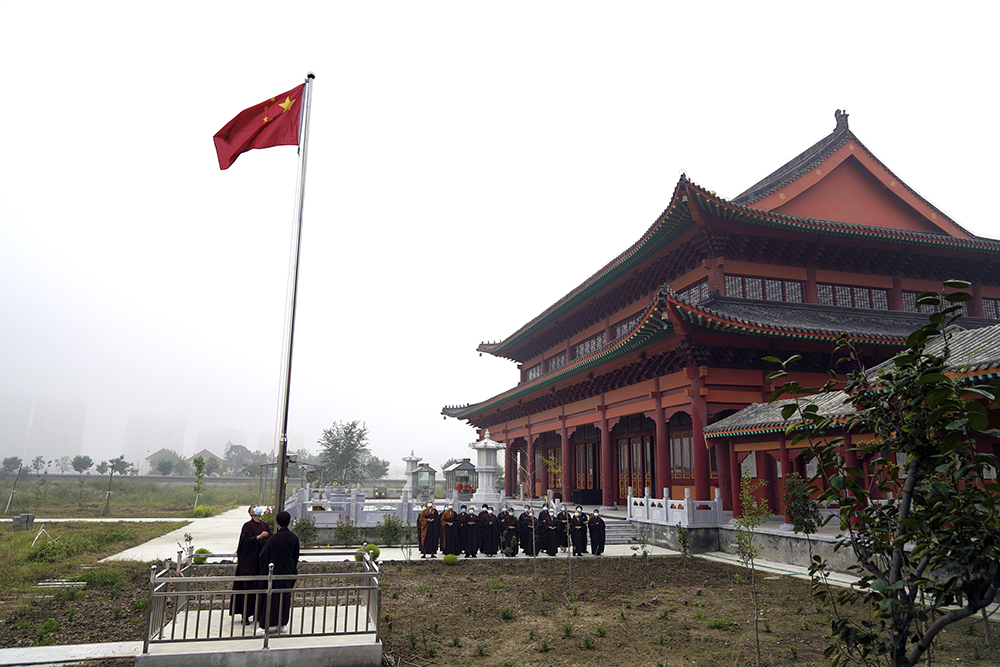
[{"x": 279, "y": 504}]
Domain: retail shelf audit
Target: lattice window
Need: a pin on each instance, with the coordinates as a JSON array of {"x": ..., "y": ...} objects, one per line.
[
  {"x": 871, "y": 298},
  {"x": 533, "y": 373},
  {"x": 589, "y": 346},
  {"x": 991, "y": 308},
  {"x": 910, "y": 305},
  {"x": 681, "y": 452},
  {"x": 626, "y": 326},
  {"x": 556, "y": 361},
  {"x": 770, "y": 289},
  {"x": 696, "y": 293}
]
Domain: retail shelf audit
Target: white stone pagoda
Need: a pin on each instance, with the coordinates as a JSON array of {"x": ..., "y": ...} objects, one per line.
[{"x": 486, "y": 466}]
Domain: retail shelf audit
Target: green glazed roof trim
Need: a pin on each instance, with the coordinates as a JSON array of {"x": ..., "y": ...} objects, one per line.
[{"x": 654, "y": 325}]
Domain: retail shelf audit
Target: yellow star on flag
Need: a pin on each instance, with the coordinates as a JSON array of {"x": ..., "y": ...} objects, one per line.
[
  {"x": 287, "y": 104},
  {"x": 266, "y": 119}
]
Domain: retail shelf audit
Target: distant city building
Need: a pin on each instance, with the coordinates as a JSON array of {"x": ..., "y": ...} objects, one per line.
[
  {"x": 148, "y": 433},
  {"x": 56, "y": 428},
  {"x": 205, "y": 454},
  {"x": 215, "y": 441},
  {"x": 15, "y": 418}
]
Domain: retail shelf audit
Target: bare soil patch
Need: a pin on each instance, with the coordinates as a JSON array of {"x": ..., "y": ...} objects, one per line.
[{"x": 494, "y": 611}]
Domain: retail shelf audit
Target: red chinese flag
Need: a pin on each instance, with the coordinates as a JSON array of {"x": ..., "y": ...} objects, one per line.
[{"x": 271, "y": 123}]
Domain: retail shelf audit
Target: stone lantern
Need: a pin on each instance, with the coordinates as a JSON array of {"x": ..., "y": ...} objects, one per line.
[
  {"x": 411, "y": 464},
  {"x": 486, "y": 466}
]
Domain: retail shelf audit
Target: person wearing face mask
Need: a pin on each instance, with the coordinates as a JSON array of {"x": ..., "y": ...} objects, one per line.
[
  {"x": 578, "y": 532},
  {"x": 526, "y": 532},
  {"x": 596, "y": 525},
  {"x": 548, "y": 532},
  {"x": 429, "y": 527},
  {"x": 252, "y": 537},
  {"x": 564, "y": 520},
  {"x": 471, "y": 533},
  {"x": 508, "y": 532},
  {"x": 489, "y": 532},
  {"x": 449, "y": 531}
]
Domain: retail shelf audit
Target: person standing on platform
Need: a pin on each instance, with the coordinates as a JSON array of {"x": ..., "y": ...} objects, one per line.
[
  {"x": 489, "y": 532},
  {"x": 578, "y": 532},
  {"x": 596, "y": 525},
  {"x": 526, "y": 531},
  {"x": 508, "y": 532},
  {"x": 281, "y": 550},
  {"x": 449, "y": 531},
  {"x": 471, "y": 533},
  {"x": 252, "y": 537},
  {"x": 429, "y": 528}
]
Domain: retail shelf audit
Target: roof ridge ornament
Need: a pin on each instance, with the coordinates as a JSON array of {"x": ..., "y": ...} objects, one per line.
[{"x": 841, "y": 118}]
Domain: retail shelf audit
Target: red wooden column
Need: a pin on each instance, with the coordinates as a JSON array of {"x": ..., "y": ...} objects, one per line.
[
  {"x": 699, "y": 418},
  {"x": 608, "y": 484},
  {"x": 508, "y": 469},
  {"x": 736, "y": 475},
  {"x": 725, "y": 449},
  {"x": 568, "y": 467},
  {"x": 785, "y": 470},
  {"x": 662, "y": 447},
  {"x": 529, "y": 468}
]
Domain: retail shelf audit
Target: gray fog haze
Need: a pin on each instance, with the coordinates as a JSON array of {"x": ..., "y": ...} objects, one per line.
[{"x": 469, "y": 164}]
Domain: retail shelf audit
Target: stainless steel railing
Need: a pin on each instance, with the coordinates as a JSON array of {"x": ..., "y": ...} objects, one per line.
[{"x": 192, "y": 602}]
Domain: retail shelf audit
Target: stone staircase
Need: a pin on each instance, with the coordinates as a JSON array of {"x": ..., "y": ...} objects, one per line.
[{"x": 619, "y": 531}]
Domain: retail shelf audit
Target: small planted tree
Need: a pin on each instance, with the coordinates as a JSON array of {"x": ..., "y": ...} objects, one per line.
[
  {"x": 754, "y": 514},
  {"x": 199, "y": 477},
  {"x": 926, "y": 532}
]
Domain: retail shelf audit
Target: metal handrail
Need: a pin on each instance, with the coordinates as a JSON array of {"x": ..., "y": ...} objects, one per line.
[{"x": 345, "y": 589}]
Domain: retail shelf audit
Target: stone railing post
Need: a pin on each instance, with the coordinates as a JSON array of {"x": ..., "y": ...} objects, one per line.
[{"x": 688, "y": 508}]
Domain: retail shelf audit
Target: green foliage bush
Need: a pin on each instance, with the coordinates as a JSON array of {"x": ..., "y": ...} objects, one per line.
[
  {"x": 305, "y": 529},
  {"x": 51, "y": 552},
  {"x": 371, "y": 548},
  {"x": 202, "y": 511},
  {"x": 450, "y": 559},
  {"x": 390, "y": 530},
  {"x": 345, "y": 533},
  {"x": 103, "y": 577},
  {"x": 201, "y": 561}
]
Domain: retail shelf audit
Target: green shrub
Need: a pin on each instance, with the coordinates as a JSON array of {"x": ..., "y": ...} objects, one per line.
[
  {"x": 371, "y": 548},
  {"x": 450, "y": 559},
  {"x": 588, "y": 642},
  {"x": 201, "y": 561},
  {"x": 305, "y": 529},
  {"x": 202, "y": 512},
  {"x": 506, "y": 614},
  {"x": 50, "y": 552},
  {"x": 390, "y": 530},
  {"x": 719, "y": 624},
  {"x": 345, "y": 533}
]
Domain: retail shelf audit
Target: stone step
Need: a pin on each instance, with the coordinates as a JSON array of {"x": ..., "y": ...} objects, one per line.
[{"x": 617, "y": 531}]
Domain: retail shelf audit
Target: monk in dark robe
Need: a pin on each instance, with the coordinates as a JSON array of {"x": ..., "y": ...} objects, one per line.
[
  {"x": 281, "y": 549},
  {"x": 508, "y": 532},
  {"x": 489, "y": 532},
  {"x": 471, "y": 522},
  {"x": 449, "y": 531},
  {"x": 548, "y": 532},
  {"x": 563, "y": 518},
  {"x": 596, "y": 525},
  {"x": 252, "y": 537},
  {"x": 526, "y": 536},
  {"x": 429, "y": 527},
  {"x": 578, "y": 532}
]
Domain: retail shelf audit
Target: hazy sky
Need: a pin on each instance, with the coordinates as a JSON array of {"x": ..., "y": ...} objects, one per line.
[{"x": 469, "y": 164}]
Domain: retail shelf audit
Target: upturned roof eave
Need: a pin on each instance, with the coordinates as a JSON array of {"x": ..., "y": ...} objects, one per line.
[{"x": 651, "y": 328}]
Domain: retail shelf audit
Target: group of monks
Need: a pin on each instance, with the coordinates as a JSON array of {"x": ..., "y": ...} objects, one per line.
[
  {"x": 256, "y": 551},
  {"x": 466, "y": 531}
]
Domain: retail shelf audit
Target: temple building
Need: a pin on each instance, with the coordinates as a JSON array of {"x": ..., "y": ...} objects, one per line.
[{"x": 620, "y": 378}]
